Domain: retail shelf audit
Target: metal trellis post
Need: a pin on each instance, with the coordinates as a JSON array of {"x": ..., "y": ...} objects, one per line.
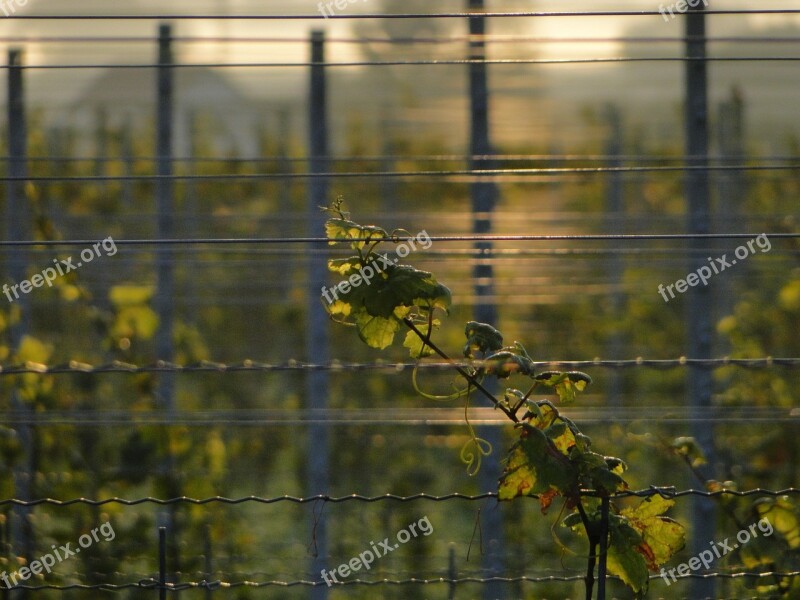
[
  {"x": 317, "y": 343},
  {"x": 484, "y": 197},
  {"x": 699, "y": 305},
  {"x": 165, "y": 393},
  {"x": 18, "y": 229}
]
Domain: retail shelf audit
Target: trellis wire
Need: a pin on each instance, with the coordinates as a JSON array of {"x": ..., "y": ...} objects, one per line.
[
  {"x": 442, "y": 15},
  {"x": 160, "y": 583},
  {"x": 663, "y": 491},
  {"x": 251, "y": 366},
  {"x": 398, "y": 239}
]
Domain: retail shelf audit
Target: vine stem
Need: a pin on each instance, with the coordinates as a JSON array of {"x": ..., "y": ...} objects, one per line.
[
  {"x": 551, "y": 448},
  {"x": 463, "y": 372},
  {"x": 589, "y": 579},
  {"x": 602, "y": 568}
]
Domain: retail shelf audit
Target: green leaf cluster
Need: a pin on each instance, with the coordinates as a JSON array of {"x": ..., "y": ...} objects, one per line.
[
  {"x": 551, "y": 458},
  {"x": 641, "y": 539},
  {"x": 377, "y": 293}
]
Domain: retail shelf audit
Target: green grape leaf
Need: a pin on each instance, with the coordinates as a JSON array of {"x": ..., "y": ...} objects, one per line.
[
  {"x": 553, "y": 424},
  {"x": 377, "y": 332},
  {"x": 627, "y": 563},
  {"x": 377, "y": 306},
  {"x": 533, "y": 465},
  {"x": 661, "y": 536},
  {"x": 616, "y": 465},
  {"x": 625, "y": 558},
  {"x": 566, "y": 384},
  {"x": 376, "y": 293},
  {"x": 339, "y": 230},
  {"x": 519, "y": 476},
  {"x": 344, "y": 266},
  {"x": 481, "y": 338},
  {"x": 407, "y": 287},
  {"x": 414, "y": 343},
  {"x": 605, "y": 480}
]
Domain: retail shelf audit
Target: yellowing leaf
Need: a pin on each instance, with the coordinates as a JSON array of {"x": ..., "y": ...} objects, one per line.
[
  {"x": 127, "y": 295},
  {"x": 344, "y": 266},
  {"x": 628, "y": 564},
  {"x": 339, "y": 308},
  {"x": 415, "y": 345},
  {"x": 533, "y": 467},
  {"x": 519, "y": 478},
  {"x": 663, "y": 536},
  {"x": 32, "y": 350},
  {"x": 567, "y": 385},
  {"x": 376, "y": 332},
  {"x": 344, "y": 229},
  {"x": 648, "y": 508}
]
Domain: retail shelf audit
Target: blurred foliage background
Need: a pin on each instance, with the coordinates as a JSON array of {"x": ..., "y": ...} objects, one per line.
[{"x": 241, "y": 434}]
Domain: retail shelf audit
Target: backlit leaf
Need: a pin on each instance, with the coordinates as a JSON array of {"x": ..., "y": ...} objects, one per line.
[
  {"x": 627, "y": 563},
  {"x": 534, "y": 466},
  {"x": 414, "y": 343},
  {"x": 519, "y": 476},
  {"x": 663, "y": 536},
  {"x": 344, "y": 229},
  {"x": 566, "y": 384},
  {"x": 376, "y": 332},
  {"x": 344, "y": 266}
]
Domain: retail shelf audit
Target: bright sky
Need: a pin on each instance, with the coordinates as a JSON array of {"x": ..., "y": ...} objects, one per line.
[{"x": 66, "y": 84}]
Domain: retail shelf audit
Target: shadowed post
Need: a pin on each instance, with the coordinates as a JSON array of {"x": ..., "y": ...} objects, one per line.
[
  {"x": 484, "y": 197},
  {"x": 317, "y": 343},
  {"x": 18, "y": 229},
  {"x": 699, "y": 306}
]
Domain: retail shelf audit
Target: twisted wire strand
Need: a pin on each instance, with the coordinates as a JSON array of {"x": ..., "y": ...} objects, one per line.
[
  {"x": 154, "y": 584},
  {"x": 400, "y": 239},
  {"x": 668, "y": 492},
  {"x": 251, "y": 366}
]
